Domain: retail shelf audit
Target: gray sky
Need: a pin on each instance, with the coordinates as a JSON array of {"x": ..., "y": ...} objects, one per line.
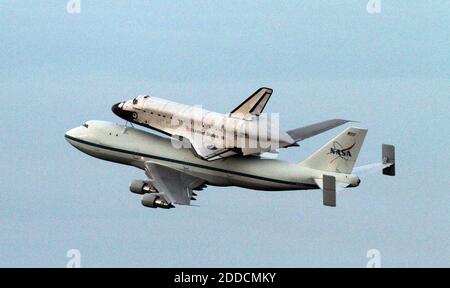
[{"x": 390, "y": 71}]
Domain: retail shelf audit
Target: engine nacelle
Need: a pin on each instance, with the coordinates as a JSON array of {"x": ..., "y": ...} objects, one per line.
[
  {"x": 142, "y": 187},
  {"x": 153, "y": 200}
]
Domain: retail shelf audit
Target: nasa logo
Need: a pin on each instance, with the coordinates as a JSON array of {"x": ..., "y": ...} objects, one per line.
[{"x": 340, "y": 152}]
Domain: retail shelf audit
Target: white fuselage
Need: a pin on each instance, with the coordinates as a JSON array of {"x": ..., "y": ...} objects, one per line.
[
  {"x": 252, "y": 135},
  {"x": 134, "y": 147}
]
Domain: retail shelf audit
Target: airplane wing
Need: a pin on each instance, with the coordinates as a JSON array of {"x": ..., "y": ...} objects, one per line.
[
  {"x": 305, "y": 132},
  {"x": 253, "y": 105},
  {"x": 176, "y": 186}
]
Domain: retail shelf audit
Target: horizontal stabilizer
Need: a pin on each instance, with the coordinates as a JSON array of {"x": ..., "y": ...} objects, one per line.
[
  {"x": 369, "y": 169},
  {"x": 388, "y": 157},
  {"x": 305, "y": 132},
  {"x": 387, "y": 165}
]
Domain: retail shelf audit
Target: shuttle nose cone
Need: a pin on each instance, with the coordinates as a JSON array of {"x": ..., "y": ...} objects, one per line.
[
  {"x": 116, "y": 110},
  {"x": 124, "y": 114},
  {"x": 119, "y": 111}
]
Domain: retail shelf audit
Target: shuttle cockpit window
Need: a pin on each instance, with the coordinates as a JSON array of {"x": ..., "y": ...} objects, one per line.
[
  {"x": 86, "y": 125},
  {"x": 135, "y": 101}
]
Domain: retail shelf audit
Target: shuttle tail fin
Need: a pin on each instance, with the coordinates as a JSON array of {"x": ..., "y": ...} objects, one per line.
[{"x": 253, "y": 105}]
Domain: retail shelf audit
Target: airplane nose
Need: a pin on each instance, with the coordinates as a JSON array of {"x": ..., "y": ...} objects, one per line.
[
  {"x": 119, "y": 111},
  {"x": 71, "y": 133}
]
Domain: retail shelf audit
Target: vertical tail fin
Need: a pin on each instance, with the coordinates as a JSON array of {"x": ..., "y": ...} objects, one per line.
[
  {"x": 339, "y": 155},
  {"x": 253, "y": 105}
]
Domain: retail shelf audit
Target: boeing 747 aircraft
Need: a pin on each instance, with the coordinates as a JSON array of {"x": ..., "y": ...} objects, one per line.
[
  {"x": 212, "y": 136},
  {"x": 174, "y": 174}
]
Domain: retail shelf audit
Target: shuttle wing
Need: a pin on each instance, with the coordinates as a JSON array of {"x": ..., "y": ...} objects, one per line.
[
  {"x": 212, "y": 154},
  {"x": 206, "y": 151},
  {"x": 254, "y": 105},
  {"x": 176, "y": 186}
]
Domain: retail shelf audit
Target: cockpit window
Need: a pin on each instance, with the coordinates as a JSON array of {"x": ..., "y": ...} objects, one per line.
[
  {"x": 86, "y": 125},
  {"x": 135, "y": 101},
  {"x": 146, "y": 96}
]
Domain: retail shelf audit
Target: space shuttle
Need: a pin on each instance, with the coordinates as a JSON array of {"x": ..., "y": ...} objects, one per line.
[{"x": 211, "y": 135}]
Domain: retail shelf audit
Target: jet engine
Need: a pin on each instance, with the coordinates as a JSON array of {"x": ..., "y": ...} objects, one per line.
[
  {"x": 142, "y": 187},
  {"x": 153, "y": 200}
]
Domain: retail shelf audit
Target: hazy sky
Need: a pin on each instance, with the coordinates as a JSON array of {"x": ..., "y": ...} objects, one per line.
[{"x": 324, "y": 59}]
